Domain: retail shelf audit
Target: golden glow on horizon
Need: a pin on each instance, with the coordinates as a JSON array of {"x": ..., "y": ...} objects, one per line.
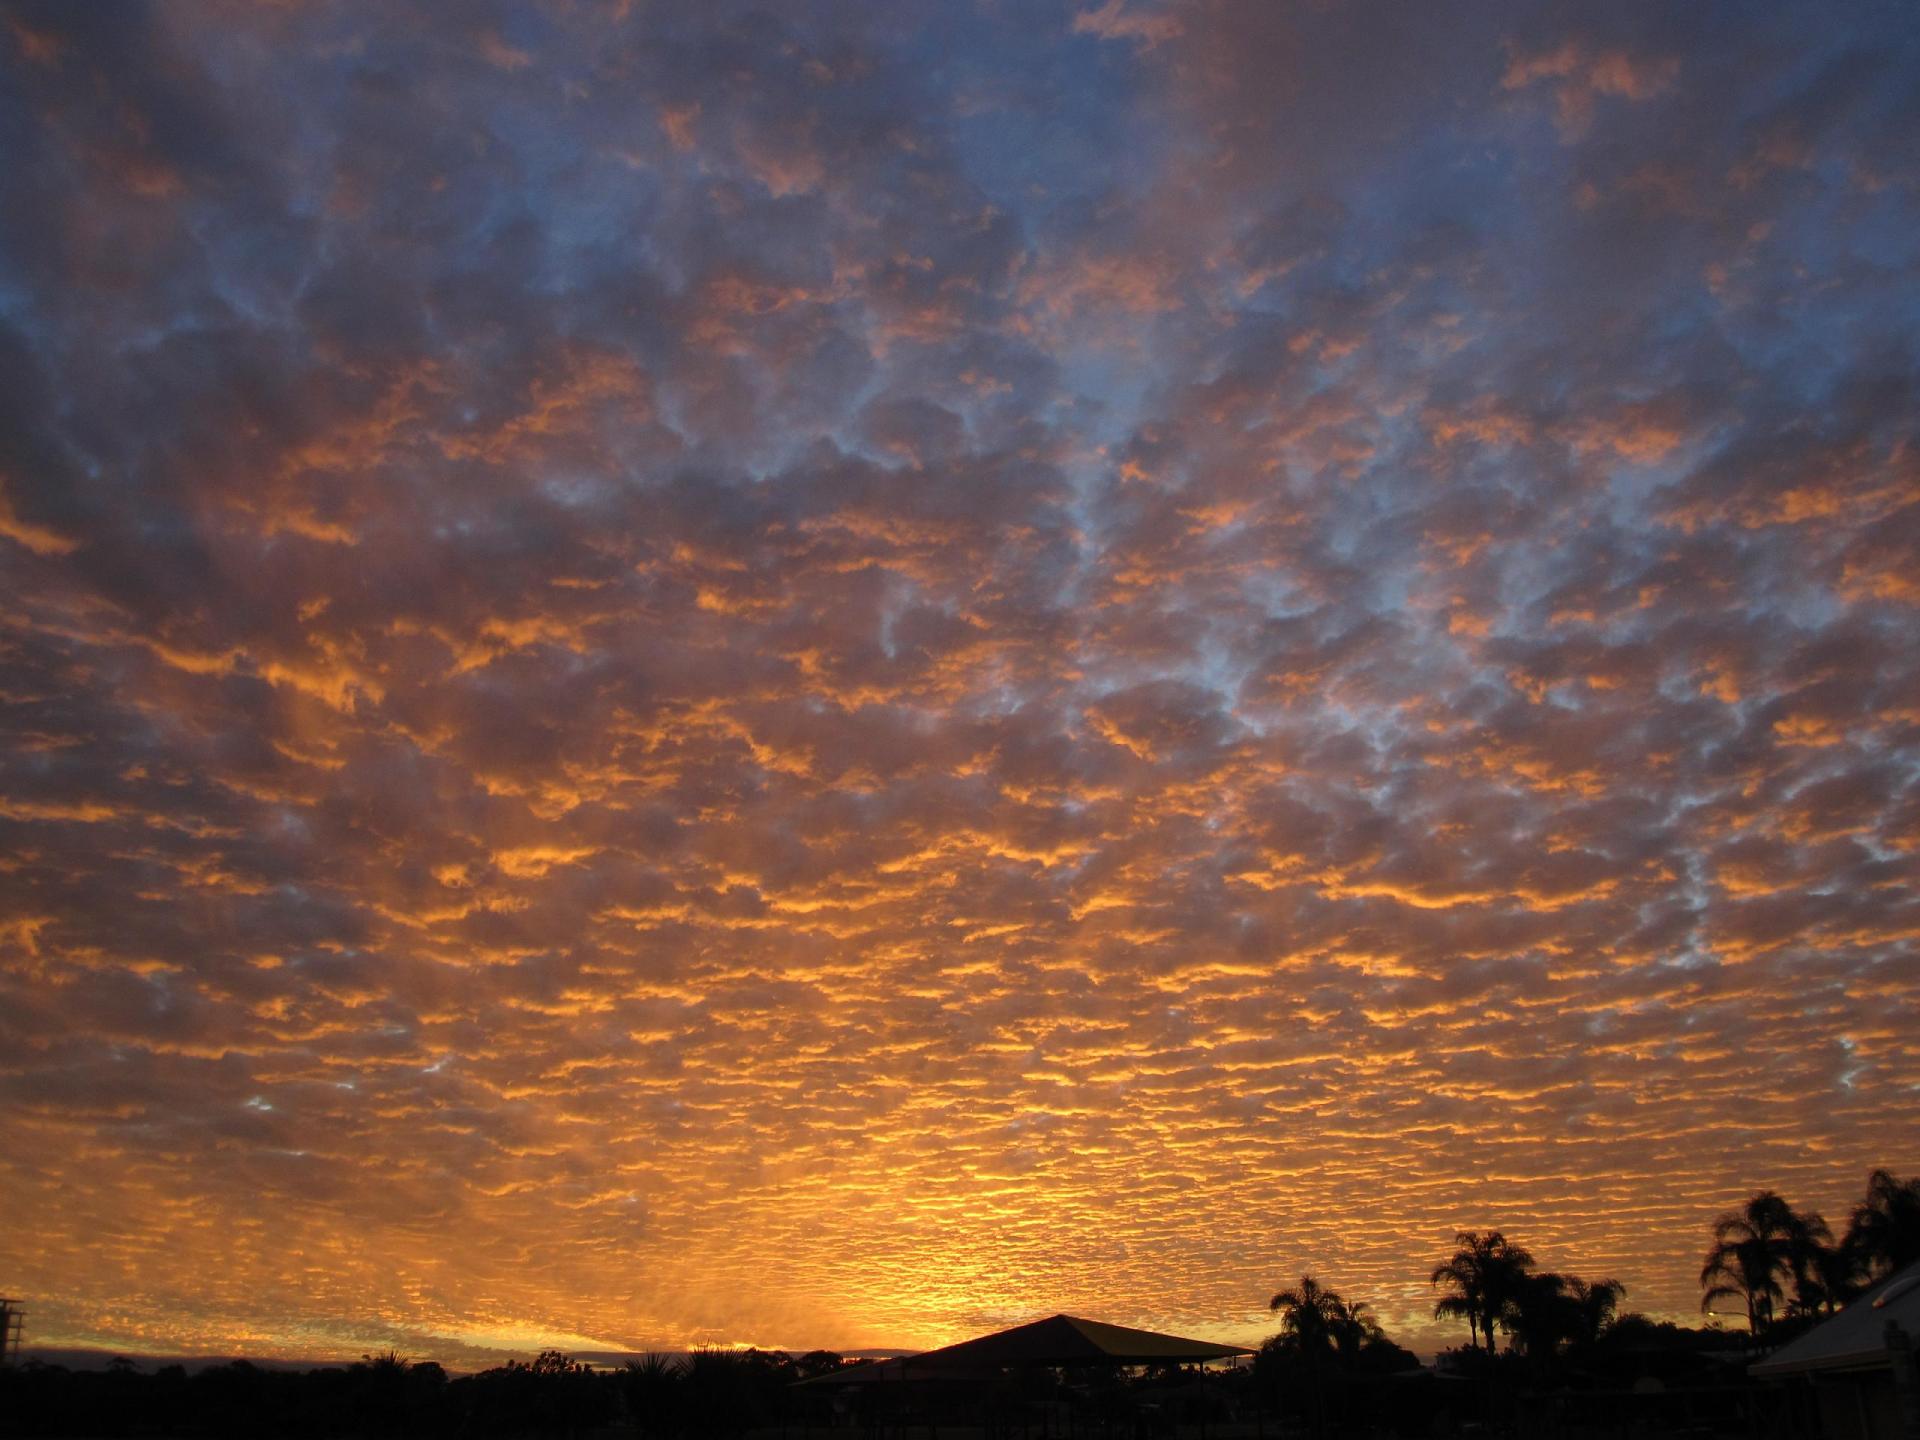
[{"x": 652, "y": 702}]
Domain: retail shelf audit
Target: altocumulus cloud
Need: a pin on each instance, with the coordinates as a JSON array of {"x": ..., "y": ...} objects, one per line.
[{"x": 820, "y": 674}]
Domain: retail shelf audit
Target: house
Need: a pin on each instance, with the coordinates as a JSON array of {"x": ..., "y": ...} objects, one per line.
[{"x": 1855, "y": 1371}]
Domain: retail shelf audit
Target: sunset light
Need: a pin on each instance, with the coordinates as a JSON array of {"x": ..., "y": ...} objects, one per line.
[{"x": 838, "y": 676}]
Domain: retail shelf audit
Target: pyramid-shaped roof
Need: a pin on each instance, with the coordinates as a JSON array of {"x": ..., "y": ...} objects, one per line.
[
  {"x": 1057, "y": 1340},
  {"x": 1070, "y": 1340}
]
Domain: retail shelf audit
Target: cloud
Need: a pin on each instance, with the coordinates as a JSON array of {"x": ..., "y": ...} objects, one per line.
[
  {"x": 39, "y": 539},
  {"x": 1115, "y": 20},
  {"x": 695, "y": 682},
  {"x": 1580, "y": 77}
]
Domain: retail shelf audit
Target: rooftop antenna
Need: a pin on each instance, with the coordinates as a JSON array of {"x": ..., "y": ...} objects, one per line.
[{"x": 13, "y": 1321}]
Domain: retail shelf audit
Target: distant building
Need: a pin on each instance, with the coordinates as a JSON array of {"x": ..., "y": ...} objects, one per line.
[
  {"x": 13, "y": 1323},
  {"x": 1060, "y": 1341},
  {"x": 1854, "y": 1374},
  {"x": 1040, "y": 1376}
]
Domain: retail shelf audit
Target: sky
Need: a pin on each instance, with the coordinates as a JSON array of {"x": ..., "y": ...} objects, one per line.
[{"x": 840, "y": 674}]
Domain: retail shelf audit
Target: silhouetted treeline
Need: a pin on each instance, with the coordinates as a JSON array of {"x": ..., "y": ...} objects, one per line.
[
  {"x": 1781, "y": 1265},
  {"x": 1573, "y": 1363},
  {"x": 707, "y": 1393},
  {"x": 1784, "y": 1265}
]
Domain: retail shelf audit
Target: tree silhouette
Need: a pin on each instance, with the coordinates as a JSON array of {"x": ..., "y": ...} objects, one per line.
[
  {"x": 1824, "y": 1278},
  {"x": 1548, "y": 1310},
  {"x": 1539, "y": 1312},
  {"x": 1354, "y": 1330},
  {"x": 1756, "y": 1250},
  {"x": 1309, "y": 1315},
  {"x": 1483, "y": 1276},
  {"x": 651, "y": 1385},
  {"x": 1595, "y": 1303},
  {"x": 818, "y": 1362},
  {"x": 1884, "y": 1233}
]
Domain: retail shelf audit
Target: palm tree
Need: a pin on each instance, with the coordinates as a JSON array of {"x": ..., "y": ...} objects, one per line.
[
  {"x": 1756, "y": 1249},
  {"x": 1507, "y": 1275},
  {"x": 1546, "y": 1309},
  {"x": 1539, "y": 1311},
  {"x": 1467, "y": 1299},
  {"x": 1824, "y": 1278},
  {"x": 1310, "y": 1317},
  {"x": 1309, "y": 1314},
  {"x": 378, "y": 1390},
  {"x": 652, "y": 1386},
  {"x": 1811, "y": 1255},
  {"x": 1595, "y": 1302},
  {"x": 1353, "y": 1330},
  {"x": 1483, "y": 1276},
  {"x": 1884, "y": 1234}
]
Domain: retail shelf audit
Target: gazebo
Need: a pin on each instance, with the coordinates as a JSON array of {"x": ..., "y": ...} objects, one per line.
[
  {"x": 1067, "y": 1341},
  {"x": 960, "y": 1374}
]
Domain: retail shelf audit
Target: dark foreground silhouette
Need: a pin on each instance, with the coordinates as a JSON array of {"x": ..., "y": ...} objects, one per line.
[
  {"x": 1284, "y": 1392},
  {"x": 1574, "y": 1368}
]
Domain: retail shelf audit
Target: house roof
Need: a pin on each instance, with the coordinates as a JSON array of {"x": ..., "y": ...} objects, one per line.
[
  {"x": 1070, "y": 1340},
  {"x": 1856, "y": 1338},
  {"x": 1057, "y": 1340}
]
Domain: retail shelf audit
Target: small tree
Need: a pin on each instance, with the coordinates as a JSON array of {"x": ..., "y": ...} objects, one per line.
[
  {"x": 1883, "y": 1234},
  {"x": 1595, "y": 1304}
]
